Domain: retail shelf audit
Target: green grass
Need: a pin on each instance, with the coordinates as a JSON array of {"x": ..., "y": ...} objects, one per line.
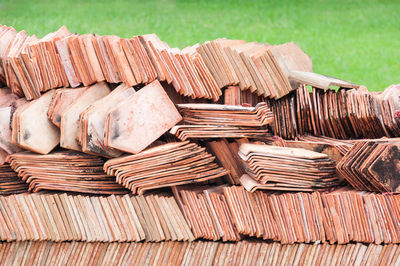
[{"x": 357, "y": 41}]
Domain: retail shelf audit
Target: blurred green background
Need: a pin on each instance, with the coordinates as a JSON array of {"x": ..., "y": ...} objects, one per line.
[{"x": 352, "y": 40}]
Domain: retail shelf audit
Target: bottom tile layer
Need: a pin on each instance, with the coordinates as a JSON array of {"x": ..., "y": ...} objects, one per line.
[{"x": 195, "y": 253}]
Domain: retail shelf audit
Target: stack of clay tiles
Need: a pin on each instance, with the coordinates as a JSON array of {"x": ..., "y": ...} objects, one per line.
[
  {"x": 32, "y": 65},
  {"x": 118, "y": 151}
]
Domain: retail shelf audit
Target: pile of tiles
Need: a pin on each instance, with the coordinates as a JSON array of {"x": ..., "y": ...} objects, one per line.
[{"x": 128, "y": 151}]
